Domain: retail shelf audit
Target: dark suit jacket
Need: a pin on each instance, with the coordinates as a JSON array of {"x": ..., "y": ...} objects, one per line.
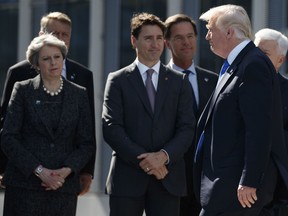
[
  {"x": 28, "y": 141},
  {"x": 284, "y": 93},
  {"x": 243, "y": 134},
  {"x": 206, "y": 81},
  {"x": 282, "y": 191},
  {"x": 130, "y": 128},
  {"x": 76, "y": 73}
]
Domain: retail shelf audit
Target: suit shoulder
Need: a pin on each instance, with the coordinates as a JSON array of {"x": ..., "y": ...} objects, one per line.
[
  {"x": 25, "y": 83},
  {"x": 257, "y": 58},
  {"x": 73, "y": 85},
  {"x": 123, "y": 71},
  {"x": 78, "y": 66},
  {"x": 206, "y": 71},
  {"x": 21, "y": 66},
  {"x": 23, "y": 63},
  {"x": 21, "y": 71},
  {"x": 282, "y": 77},
  {"x": 172, "y": 71}
]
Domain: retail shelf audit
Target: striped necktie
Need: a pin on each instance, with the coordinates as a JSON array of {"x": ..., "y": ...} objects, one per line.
[{"x": 150, "y": 88}]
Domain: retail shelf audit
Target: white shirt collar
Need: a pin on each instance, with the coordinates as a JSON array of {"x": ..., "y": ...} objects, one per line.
[
  {"x": 234, "y": 53},
  {"x": 64, "y": 73},
  {"x": 175, "y": 67},
  {"x": 143, "y": 68}
]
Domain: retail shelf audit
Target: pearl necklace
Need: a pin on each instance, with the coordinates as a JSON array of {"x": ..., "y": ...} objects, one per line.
[{"x": 57, "y": 91}]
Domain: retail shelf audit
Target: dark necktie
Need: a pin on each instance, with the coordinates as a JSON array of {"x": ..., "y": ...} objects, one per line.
[
  {"x": 150, "y": 88},
  {"x": 195, "y": 106},
  {"x": 224, "y": 67}
]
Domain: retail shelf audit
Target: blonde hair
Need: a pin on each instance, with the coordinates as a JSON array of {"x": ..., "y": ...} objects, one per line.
[
  {"x": 230, "y": 16},
  {"x": 61, "y": 17}
]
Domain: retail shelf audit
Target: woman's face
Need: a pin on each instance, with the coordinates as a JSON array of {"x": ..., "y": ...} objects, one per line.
[{"x": 50, "y": 62}]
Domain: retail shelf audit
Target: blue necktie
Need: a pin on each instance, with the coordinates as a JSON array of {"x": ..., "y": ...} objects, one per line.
[
  {"x": 199, "y": 145},
  {"x": 224, "y": 67},
  {"x": 195, "y": 106},
  {"x": 150, "y": 88}
]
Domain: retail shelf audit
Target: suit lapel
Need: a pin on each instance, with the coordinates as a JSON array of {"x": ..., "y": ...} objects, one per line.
[
  {"x": 70, "y": 74},
  {"x": 227, "y": 77},
  {"x": 134, "y": 77},
  {"x": 38, "y": 104},
  {"x": 219, "y": 89},
  {"x": 162, "y": 89},
  {"x": 68, "y": 104},
  {"x": 202, "y": 81}
]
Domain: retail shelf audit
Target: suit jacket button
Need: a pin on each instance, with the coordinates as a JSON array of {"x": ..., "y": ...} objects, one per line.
[{"x": 52, "y": 145}]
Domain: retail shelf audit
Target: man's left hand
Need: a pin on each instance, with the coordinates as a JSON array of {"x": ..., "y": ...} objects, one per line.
[
  {"x": 85, "y": 183},
  {"x": 1, "y": 183},
  {"x": 246, "y": 196}
]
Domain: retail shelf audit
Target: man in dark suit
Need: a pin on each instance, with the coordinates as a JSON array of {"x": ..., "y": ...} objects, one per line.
[
  {"x": 241, "y": 150},
  {"x": 149, "y": 128},
  {"x": 61, "y": 26},
  {"x": 180, "y": 39},
  {"x": 275, "y": 45}
]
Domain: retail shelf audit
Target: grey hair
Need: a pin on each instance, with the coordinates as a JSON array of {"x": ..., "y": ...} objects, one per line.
[
  {"x": 32, "y": 53},
  {"x": 271, "y": 34},
  {"x": 230, "y": 16}
]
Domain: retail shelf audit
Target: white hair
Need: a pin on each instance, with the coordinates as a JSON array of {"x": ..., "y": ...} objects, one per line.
[{"x": 271, "y": 34}]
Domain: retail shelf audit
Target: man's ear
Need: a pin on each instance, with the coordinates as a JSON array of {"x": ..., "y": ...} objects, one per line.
[
  {"x": 133, "y": 41},
  {"x": 167, "y": 43},
  {"x": 281, "y": 59},
  {"x": 229, "y": 32}
]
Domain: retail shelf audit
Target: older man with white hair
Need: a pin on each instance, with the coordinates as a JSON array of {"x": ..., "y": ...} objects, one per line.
[{"x": 275, "y": 45}]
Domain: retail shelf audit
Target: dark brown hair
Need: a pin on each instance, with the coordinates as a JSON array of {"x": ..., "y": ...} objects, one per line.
[
  {"x": 175, "y": 19},
  {"x": 140, "y": 19}
]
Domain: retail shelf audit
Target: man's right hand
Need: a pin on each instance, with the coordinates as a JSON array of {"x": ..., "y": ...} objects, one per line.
[
  {"x": 1, "y": 183},
  {"x": 159, "y": 173}
]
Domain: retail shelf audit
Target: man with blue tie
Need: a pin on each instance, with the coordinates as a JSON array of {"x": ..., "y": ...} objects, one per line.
[
  {"x": 241, "y": 153},
  {"x": 181, "y": 40}
]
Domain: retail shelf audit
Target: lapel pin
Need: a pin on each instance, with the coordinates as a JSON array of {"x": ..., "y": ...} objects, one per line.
[
  {"x": 206, "y": 79},
  {"x": 38, "y": 102},
  {"x": 72, "y": 77}
]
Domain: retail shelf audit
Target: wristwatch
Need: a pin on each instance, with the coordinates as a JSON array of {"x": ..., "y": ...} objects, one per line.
[{"x": 38, "y": 170}]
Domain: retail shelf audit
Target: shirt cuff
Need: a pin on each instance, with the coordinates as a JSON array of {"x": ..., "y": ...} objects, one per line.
[{"x": 168, "y": 158}]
